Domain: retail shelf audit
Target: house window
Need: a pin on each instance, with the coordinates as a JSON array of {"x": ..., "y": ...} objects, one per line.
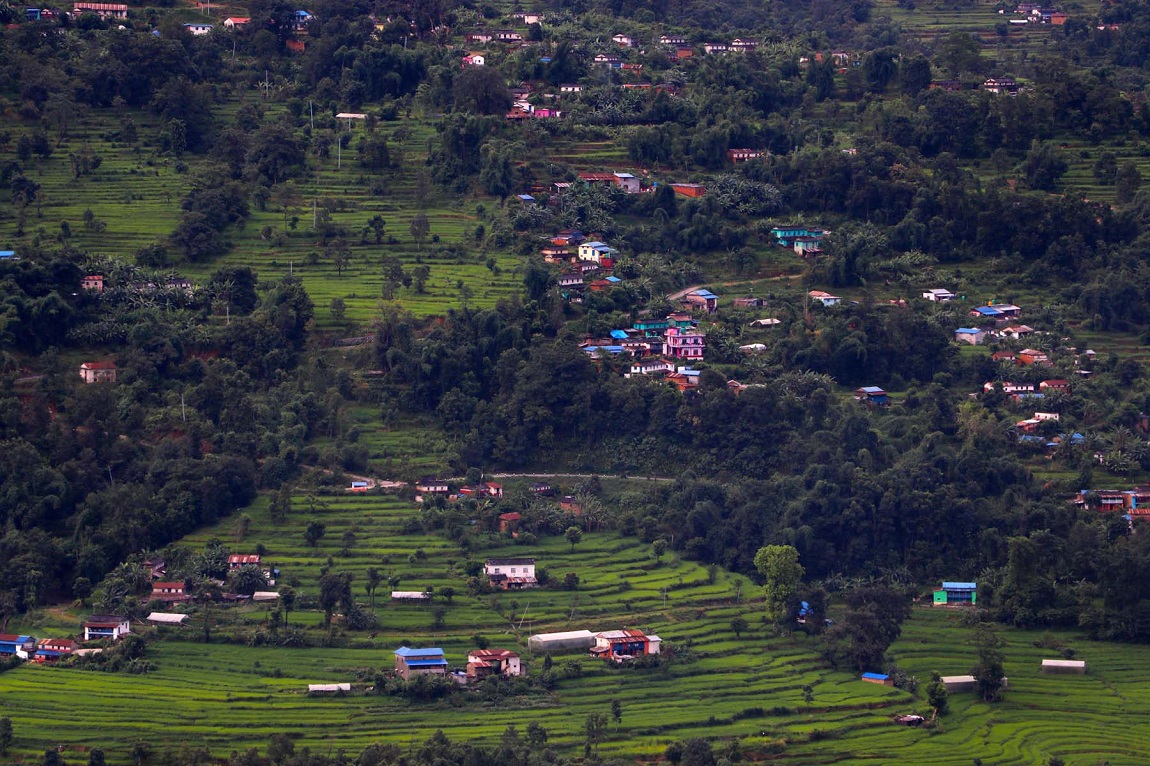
[{"x": 512, "y": 570}]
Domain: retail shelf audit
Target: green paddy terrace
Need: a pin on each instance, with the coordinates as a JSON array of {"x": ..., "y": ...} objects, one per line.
[
  {"x": 137, "y": 193},
  {"x": 228, "y": 696}
]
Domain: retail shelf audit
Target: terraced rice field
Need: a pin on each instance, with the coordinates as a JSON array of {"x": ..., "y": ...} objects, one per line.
[
  {"x": 227, "y": 696},
  {"x": 137, "y": 193}
]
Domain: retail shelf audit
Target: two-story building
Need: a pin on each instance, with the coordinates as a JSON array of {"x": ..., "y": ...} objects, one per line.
[
  {"x": 493, "y": 662},
  {"x": 412, "y": 662},
  {"x": 106, "y": 626},
  {"x": 684, "y": 344},
  {"x": 626, "y": 644}
]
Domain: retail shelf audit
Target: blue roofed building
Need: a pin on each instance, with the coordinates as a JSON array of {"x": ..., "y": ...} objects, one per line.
[
  {"x": 956, "y": 594},
  {"x": 412, "y": 662},
  {"x": 872, "y": 396},
  {"x": 8, "y": 255},
  {"x": 703, "y": 299},
  {"x": 877, "y": 678},
  {"x": 20, "y": 646}
]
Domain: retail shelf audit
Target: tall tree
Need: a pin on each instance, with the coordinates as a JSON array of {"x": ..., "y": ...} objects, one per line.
[{"x": 779, "y": 565}]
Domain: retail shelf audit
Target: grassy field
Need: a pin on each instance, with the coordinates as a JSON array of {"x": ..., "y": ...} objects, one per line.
[{"x": 228, "y": 696}]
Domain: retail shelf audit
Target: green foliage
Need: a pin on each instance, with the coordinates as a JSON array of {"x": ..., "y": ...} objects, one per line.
[{"x": 779, "y": 565}]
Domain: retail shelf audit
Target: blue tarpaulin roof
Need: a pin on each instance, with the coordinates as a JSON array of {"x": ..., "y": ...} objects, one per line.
[
  {"x": 526, "y": 197},
  {"x": 614, "y": 280},
  {"x": 872, "y": 390},
  {"x": 407, "y": 651},
  {"x": 705, "y": 294},
  {"x": 967, "y": 331},
  {"x": 989, "y": 311},
  {"x": 619, "y": 334},
  {"x": 875, "y": 676},
  {"x": 959, "y": 585}
]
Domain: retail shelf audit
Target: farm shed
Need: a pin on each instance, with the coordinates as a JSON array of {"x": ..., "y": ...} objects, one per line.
[
  {"x": 167, "y": 618},
  {"x": 956, "y": 593},
  {"x": 1063, "y": 666},
  {"x": 558, "y": 642},
  {"x": 408, "y": 595},
  {"x": 965, "y": 683},
  {"x": 327, "y": 688},
  {"x": 877, "y": 678},
  {"x": 265, "y": 595}
]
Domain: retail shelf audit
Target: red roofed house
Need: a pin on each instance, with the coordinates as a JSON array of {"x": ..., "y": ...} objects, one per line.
[
  {"x": 1054, "y": 385},
  {"x": 98, "y": 372},
  {"x": 493, "y": 490},
  {"x": 93, "y": 282},
  {"x": 236, "y": 561},
  {"x": 493, "y": 662},
  {"x": 236, "y": 21},
  {"x": 52, "y": 649},
  {"x": 509, "y": 522},
  {"x": 619, "y": 645},
  {"x": 170, "y": 592}
]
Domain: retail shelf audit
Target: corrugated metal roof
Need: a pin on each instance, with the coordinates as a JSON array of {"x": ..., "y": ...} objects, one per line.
[
  {"x": 875, "y": 676},
  {"x": 407, "y": 651},
  {"x": 959, "y": 585}
]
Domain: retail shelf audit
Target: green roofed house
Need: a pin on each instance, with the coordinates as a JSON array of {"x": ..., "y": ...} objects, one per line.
[
  {"x": 956, "y": 594},
  {"x": 412, "y": 662}
]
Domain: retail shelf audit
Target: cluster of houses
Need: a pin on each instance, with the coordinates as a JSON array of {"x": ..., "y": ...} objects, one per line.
[
  {"x": 1130, "y": 502},
  {"x": 614, "y": 645},
  {"x": 804, "y": 240},
  {"x": 481, "y": 663},
  {"x": 657, "y": 346},
  {"x": 426, "y": 489},
  {"x": 1035, "y": 13}
]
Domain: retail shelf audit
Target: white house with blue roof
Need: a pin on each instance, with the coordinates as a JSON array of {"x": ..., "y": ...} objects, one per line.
[
  {"x": 971, "y": 335},
  {"x": 412, "y": 662}
]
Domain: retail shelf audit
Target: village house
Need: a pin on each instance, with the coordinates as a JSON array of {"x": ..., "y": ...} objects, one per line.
[
  {"x": 971, "y": 335},
  {"x": 1054, "y": 384},
  {"x": 744, "y": 155},
  {"x": 571, "y": 282},
  {"x": 53, "y": 649},
  {"x": 1029, "y": 356},
  {"x": 649, "y": 367},
  {"x": 597, "y": 252},
  {"x": 785, "y": 236},
  {"x": 98, "y": 372},
  {"x": 684, "y": 344},
  {"x": 825, "y": 298},
  {"x": 528, "y": 18},
  {"x": 507, "y": 36},
  {"x": 300, "y": 20},
  {"x": 169, "y": 592},
  {"x": 198, "y": 29},
  {"x": 412, "y": 662},
  {"x": 17, "y": 646},
  {"x": 493, "y": 662},
  {"x": 478, "y": 37},
  {"x": 556, "y": 254},
  {"x": 877, "y": 678},
  {"x": 235, "y": 561},
  {"x": 746, "y": 303},
  {"x": 741, "y": 46},
  {"x": 358, "y": 487},
  {"x": 103, "y": 10},
  {"x": 1008, "y": 387},
  {"x": 510, "y": 574},
  {"x": 1017, "y": 332},
  {"x": 956, "y": 594},
  {"x": 628, "y": 183},
  {"x": 427, "y": 487},
  {"x": 938, "y": 295},
  {"x": 474, "y": 59},
  {"x": 703, "y": 299},
  {"x": 568, "y": 504},
  {"x": 232, "y": 22},
  {"x": 626, "y": 644},
  {"x": 625, "y": 41},
  {"x": 1000, "y": 85},
  {"x": 509, "y": 522},
  {"x": 1003, "y": 356},
  {"x": 872, "y": 396},
  {"x": 93, "y": 282},
  {"x": 716, "y": 47},
  {"x": 807, "y": 246},
  {"x": 672, "y": 40},
  {"x": 570, "y": 87},
  {"x": 102, "y": 626},
  {"x": 607, "y": 60}
]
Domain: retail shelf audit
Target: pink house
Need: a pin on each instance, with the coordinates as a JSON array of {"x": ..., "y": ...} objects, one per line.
[{"x": 684, "y": 344}]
